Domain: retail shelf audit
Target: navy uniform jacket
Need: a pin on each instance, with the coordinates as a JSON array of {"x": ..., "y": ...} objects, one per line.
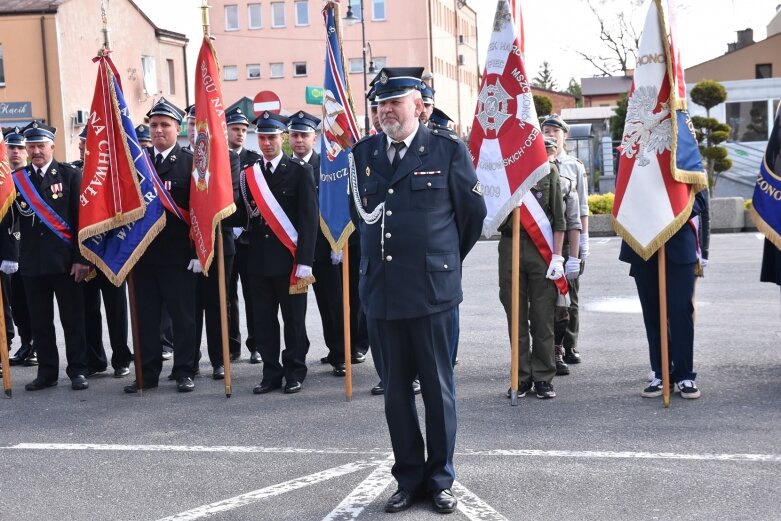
[
  {"x": 9, "y": 238},
  {"x": 434, "y": 212},
  {"x": 41, "y": 251},
  {"x": 682, "y": 247},
  {"x": 173, "y": 244},
  {"x": 293, "y": 186},
  {"x": 322, "y": 246},
  {"x": 228, "y": 242},
  {"x": 246, "y": 158}
]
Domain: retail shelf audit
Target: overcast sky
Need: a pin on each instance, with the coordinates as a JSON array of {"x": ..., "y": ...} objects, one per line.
[{"x": 554, "y": 28}]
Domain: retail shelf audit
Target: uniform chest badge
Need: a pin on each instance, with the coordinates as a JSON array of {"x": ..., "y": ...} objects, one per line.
[
  {"x": 368, "y": 171},
  {"x": 538, "y": 195},
  {"x": 56, "y": 190}
]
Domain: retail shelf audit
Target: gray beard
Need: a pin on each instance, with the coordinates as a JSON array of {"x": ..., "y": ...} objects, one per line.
[{"x": 392, "y": 130}]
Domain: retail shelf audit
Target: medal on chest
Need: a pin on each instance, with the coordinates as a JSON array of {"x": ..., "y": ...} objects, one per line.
[{"x": 56, "y": 190}]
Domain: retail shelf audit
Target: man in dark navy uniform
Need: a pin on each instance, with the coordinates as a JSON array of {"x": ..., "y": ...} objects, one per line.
[
  {"x": 421, "y": 211},
  {"x": 681, "y": 253},
  {"x": 142, "y": 133},
  {"x": 237, "y": 133},
  {"x": 302, "y": 132},
  {"x": 9, "y": 249},
  {"x": 274, "y": 272},
  {"x": 17, "y": 158},
  {"x": 165, "y": 274},
  {"x": 50, "y": 262}
]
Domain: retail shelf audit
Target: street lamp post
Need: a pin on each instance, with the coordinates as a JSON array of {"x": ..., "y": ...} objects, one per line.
[{"x": 351, "y": 19}]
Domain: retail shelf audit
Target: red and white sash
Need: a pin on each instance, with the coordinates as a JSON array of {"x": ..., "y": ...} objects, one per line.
[
  {"x": 274, "y": 215},
  {"x": 537, "y": 225}
]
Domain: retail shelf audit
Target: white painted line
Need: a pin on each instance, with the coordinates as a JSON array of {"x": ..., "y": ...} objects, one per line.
[
  {"x": 764, "y": 458},
  {"x": 194, "y": 448},
  {"x": 273, "y": 490},
  {"x": 473, "y": 507},
  {"x": 362, "y": 495}
]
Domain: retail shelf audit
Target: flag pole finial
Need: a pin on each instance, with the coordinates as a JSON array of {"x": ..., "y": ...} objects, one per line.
[
  {"x": 205, "y": 17},
  {"x": 106, "y": 29}
]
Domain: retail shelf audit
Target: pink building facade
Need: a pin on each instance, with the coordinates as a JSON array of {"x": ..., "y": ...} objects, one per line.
[{"x": 279, "y": 46}]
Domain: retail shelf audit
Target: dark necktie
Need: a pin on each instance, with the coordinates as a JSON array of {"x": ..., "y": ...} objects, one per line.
[
  {"x": 267, "y": 173},
  {"x": 399, "y": 146},
  {"x": 37, "y": 178},
  {"x": 158, "y": 160}
]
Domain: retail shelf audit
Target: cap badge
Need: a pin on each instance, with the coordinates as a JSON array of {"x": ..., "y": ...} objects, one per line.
[
  {"x": 301, "y": 115},
  {"x": 265, "y": 115},
  {"x": 383, "y": 78}
]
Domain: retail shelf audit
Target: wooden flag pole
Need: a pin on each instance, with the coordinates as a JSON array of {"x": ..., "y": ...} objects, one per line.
[
  {"x": 663, "y": 327},
  {"x": 516, "y": 272},
  {"x": 131, "y": 295},
  {"x": 4, "y": 348},
  {"x": 348, "y": 357},
  {"x": 226, "y": 358}
]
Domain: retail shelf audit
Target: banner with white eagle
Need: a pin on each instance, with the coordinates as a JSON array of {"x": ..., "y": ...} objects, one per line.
[{"x": 660, "y": 168}]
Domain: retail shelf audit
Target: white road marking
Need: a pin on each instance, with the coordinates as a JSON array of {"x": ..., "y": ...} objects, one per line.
[
  {"x": 382, "y": 452},
  {"x": 473, "y": 507},
  {"x": 273, "y": 490},
  {"x": 362, "y": 495}
]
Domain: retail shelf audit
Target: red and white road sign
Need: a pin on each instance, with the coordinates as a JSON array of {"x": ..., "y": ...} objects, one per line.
[{"x": 266, "y": 100}]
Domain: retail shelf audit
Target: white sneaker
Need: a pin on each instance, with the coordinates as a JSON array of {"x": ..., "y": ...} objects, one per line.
[{"x": 688, "y": 389}]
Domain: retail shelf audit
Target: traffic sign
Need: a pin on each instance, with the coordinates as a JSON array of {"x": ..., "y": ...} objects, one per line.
[{"x": 266, "y": 100}]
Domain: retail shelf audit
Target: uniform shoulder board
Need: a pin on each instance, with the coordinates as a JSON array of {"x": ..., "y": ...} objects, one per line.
[
  {"x": 364, "y": 139},
  {"x": 187, "y": 150},
  {"x": 445, "y": 132}
]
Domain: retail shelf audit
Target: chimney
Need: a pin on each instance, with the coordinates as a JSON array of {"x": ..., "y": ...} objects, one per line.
[{"x": 745, "y": 37}]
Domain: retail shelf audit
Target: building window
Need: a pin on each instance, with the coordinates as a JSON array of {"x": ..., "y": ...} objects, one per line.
[
  {"x": 230, "y": 73},
  {"x": 277, "y": 14},
  {"x": 171, "y": 77},
  {"x": 356, "y": 65},
  {"x": 356, "y": 6},
  {"x": 302, "y": 12},
  {"x": 2, "y": 67},
  {"x": 254, "y": 16},
  {"x": 378, "y": 13},
  {"x": 253, "y": 71},
  {"x": 299, "y": 69},
  {"x": 277, "y": 70},
  {"x": 150, "y": 74},
  {"x": 748, "y": 120},
  {"x": 231, "y": 18},
  {"x": 380, "y": 62},
  {"x": 764, "y": 70}
]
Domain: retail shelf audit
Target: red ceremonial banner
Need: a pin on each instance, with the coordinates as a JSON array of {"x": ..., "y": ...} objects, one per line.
[
  {"x": 110, "y": 193},
  {"x": 211, "y": 190},
  {"x": 7, "y": 189}
]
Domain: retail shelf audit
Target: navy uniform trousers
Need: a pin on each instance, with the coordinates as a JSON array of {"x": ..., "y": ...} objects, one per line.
[{"x": 115, "y": 301}]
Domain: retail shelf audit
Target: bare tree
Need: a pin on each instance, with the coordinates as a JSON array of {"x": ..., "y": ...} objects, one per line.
[{"x": 617, "y": 34}]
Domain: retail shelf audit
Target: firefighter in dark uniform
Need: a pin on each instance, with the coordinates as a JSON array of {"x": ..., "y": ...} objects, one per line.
[
  {"x": 144, "y": 139},
  {"x": 420, "y": 212},
  {"x": 17, "y": 158},
  {"x": 165, "y": 274},
  {"x": 302, "y": 132},
  {"x": 207, "y": 296},
  {"x": 237, "y": 133},
  {"x": 273, "y": 270},
  {"x": 49, "y": 262},
  {"x": 9, "y": 256},
  {"x": 115, "y": 300}
]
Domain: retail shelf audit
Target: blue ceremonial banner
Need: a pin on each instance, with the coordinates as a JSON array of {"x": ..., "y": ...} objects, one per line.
[
  {"x": 767, "y": 192},
  {"x": 339, "y": 134},
  {"x": 116, "y": 250}
]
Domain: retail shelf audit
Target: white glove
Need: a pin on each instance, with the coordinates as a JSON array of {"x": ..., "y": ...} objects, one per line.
[
  {"x": 703, "y": 264},
  {"x": 237, "y": 231},
  {"x": 336, "y": 257},
  {"x": 584, "y": 249},
  {"x": 9, "y": 266},
  {"x": 556, "y": 268},
  {"x": 195, "y": 266},
  {"x": 303, "y": 271},
  {"x": 572, "y": 268}
]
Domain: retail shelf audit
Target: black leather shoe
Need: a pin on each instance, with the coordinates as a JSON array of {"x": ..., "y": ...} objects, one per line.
[
  {"x": 358, "y": 358},
  {"x": 378, "y": 389},
  {"x": 571, "y": 355},
  {"x": 185, "y": 384},
  {"x": 133, "y": 388},
  {"x": 265, "y": 387},
  {"x": 416, "y": 386},
  {"x": 167, "y": 355},
  {"x": 218, "y": 373},
  {"x": 40, "y": 383},
  {"x": 402, "y": 499},
  {"x": 119, "y": 372},
  {"x": 292, "y": 387},
  {"x": 93, "y": 372},
  {"x": 20, "y": 355},
  {"x": 79, "y": 383},
  {"x": 32, "y": 359},
  {"x": 339, "y": 370},
  {"x": 255, "y": 358},
  {"x": 444, "y": 501}
]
